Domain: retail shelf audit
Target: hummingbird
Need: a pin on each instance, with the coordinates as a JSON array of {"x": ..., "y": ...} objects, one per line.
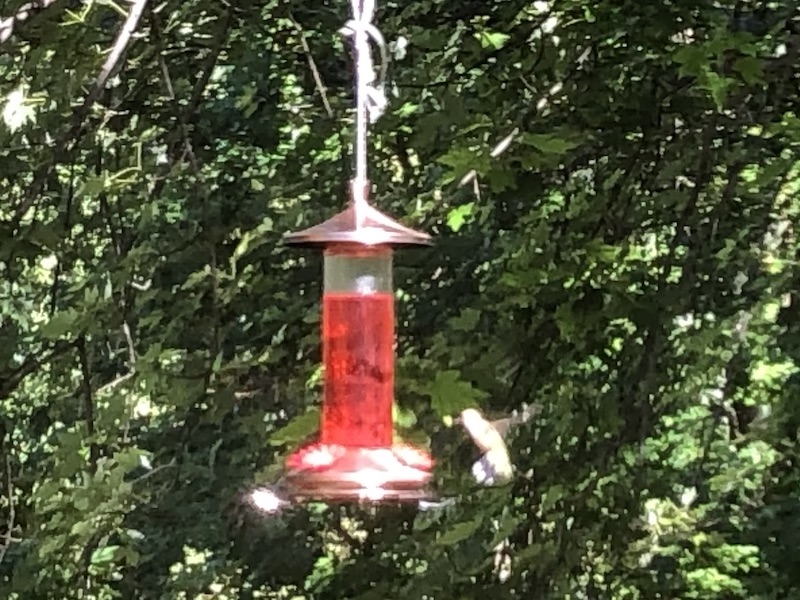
[{"x": 494, "y": 466}]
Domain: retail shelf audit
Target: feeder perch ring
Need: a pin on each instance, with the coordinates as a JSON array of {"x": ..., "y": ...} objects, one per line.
[{"x": 335, "y": 472}]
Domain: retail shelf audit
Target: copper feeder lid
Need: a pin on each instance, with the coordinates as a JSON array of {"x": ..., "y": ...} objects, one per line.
[{"x": 359, "y": 223}]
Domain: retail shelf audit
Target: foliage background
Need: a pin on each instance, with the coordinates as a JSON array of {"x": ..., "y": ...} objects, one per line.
[{"x": 620, "y": 250}]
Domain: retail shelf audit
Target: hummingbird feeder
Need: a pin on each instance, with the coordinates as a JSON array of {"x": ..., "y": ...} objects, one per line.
[{"x": 356, "y": 456}]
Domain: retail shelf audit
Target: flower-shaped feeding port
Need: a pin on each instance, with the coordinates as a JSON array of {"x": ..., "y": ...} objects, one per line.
[{"x": 356, "y": 457}]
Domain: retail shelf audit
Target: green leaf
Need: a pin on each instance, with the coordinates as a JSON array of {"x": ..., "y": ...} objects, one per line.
[
  {"x": 403, "y": 418},
  {"x": 129, "y": 458},
  {"x": 547, "y": 143},
  {"x": 718, "y": 88},
  {"x": 506, "y": 527},
  {"x": 298, "y": 429},
  {"x": 61, "y": 324},
  {"x": 458, "y": 216},
  {"x": 407, "y": 109},
  {"x": 458, "y": 158},
  {"x": 492, "y": 39},
  {"x": 93, "y": 186},
  {"x": 773, "y": 373},
  {"x": 691, "y": 59},
  {"x": 104, "y": 554},
  {"x": 81, "y": 503},
  {"x": 602, "y": 252},
  {"x": 426, "y": 519},
  {"x": 82, "y": 528},
  {"x": 467, "y": 320},
  {"x": 450, "y": 395},
  {"x": 46, "y": 235},
  {"x": 750, "y": 68},
  {"x": 460, "y": 532},
  {"x": 242, "y": 246}
]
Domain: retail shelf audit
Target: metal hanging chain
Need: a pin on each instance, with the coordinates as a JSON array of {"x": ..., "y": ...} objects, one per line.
[{"x": 370, "y": 97}]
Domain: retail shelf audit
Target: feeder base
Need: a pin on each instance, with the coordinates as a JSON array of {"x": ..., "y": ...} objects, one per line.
[{"x": 334, "y": 472}]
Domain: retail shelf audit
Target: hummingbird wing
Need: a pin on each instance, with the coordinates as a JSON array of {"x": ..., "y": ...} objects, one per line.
[
  {"x": 503, "y": 426},
  {"x": 525, "y": 414}
]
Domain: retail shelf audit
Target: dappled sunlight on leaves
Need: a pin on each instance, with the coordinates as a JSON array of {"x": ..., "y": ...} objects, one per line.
[{"x": 613, "y": 193}]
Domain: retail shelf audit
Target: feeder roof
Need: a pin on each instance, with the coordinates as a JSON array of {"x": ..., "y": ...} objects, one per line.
[{"x": 358, "y": 224}]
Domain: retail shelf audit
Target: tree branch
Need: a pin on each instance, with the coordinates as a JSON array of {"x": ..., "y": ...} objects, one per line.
[
  {"x": 313, "y": 66},
  {"x": 195, "y": 167},
  {"x": 540, "y": 105},
  {"x": 88, "y": 402},
  {"x": 170, "y": 88},
  {"x": 78, "y": 127},
  {"x": 206, "y": 70},
  {"x": 11, "y": 521},
  {"x": 25, "y": 12},
  {"x": 10, "y": 382}
]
